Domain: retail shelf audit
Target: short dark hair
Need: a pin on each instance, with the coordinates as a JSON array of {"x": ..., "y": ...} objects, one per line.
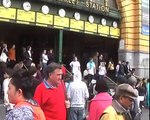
[
  {"x": 51, "y": 68},
  {"x": 32, "y": 70},
  {"x": 101, "y": 85},
  {"x": 21, "y": 79}
]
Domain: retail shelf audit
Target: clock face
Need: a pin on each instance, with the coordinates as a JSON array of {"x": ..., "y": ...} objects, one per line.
[
  {"x": 6, "y": 3},
  {"x": 77, "y": 15},
  {"x": 62, "y": 12},
  {"x": 45, "y": 9},
  {"x": 115, "y": 25},
  {"x": 91, "y": 19},
  {"x": 26, "y": 6},
  {"x": 103, "y": 21}
]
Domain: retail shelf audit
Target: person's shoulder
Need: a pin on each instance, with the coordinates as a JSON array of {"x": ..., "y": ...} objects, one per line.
[
  {"x": 20, "y": 113},
  {"x": 40, "y": 86},
  {"x": 109, "y": 110}
]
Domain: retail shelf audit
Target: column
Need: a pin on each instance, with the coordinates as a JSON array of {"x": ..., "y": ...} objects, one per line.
[{"x": 60, "y": 46}]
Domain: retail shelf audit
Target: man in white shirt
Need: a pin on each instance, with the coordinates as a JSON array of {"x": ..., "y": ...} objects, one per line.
[
  {"x": 75, "y": 65},
  {"x": 44, "y": 59}
]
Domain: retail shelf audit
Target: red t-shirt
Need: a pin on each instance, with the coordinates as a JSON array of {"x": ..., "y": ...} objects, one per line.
[{"x": 51, "y": 101}]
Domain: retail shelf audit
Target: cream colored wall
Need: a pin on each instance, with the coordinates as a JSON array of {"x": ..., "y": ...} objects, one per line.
[{"x": 131, "y": 26}]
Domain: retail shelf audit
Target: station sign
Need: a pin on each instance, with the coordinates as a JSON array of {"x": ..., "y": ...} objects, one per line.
[
  {"x": 92, "y": 27},
  {"x": 44, "y": 18},
  {"x": 28, "y": 16},
  {"x": 54, "y": 21},
  {"x": 114, "y": 31},
  {"x": 61, "y": 21},
  {"x": 8, "y": 13},
  {"x": 103, "y": 29},
  {"x": 76, "y": 24}
]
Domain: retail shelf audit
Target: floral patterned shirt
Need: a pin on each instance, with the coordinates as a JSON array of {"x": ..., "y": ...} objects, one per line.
[{"x": 20, "y": 113}]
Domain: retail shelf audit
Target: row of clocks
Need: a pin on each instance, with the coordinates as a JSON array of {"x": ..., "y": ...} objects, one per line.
[{"x": 61, "y": 12}]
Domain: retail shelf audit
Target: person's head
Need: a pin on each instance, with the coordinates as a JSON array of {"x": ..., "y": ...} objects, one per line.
[
  {"x": 51, "y": 51},
  {"x": 75, "y": 59},
  {"x": 97, "y": 54},
  {"x": 102, "y": 63},
  {"x": 148, "y": 80},
  {"x": 132, "y": 81},
  {"x": 13, "y": 46},
  {"x": 18, "y": 66},
  {"x": 101, "y": 85},
  {"x": 91, "y": 59},
  {"x": 8, "y": 73},
  {"x": 3, "y": 67},
  {"x": 53, "y": 73},
  {"x": 127, "y": 63},
  {"x": 77, "y": 76},
  {"x": 39, "y": 67},
  {"x": 119, "y": 62},
  {"x": 4, "y": 45},
  {"x": 28, "y": 48},
  {"x": 123, "y": 62},
  {"x": 133, "y": 70},
  {"x": 32, "y": 71},
  {"x": 125, "y": 94},
  {"x": 20, "y": 87},
  {"x": 44, "y": 51},
  {"x": 144, "y": 80},
  {"x": 101, "y": 57}
]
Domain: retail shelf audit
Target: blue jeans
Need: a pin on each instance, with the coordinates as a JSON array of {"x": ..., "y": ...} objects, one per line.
[{"x": 77, "y": 113}]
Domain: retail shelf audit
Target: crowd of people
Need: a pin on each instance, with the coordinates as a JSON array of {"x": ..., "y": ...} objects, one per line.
[{"x": 48, "y": 91}]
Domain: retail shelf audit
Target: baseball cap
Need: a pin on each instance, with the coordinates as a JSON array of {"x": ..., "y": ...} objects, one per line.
[{"x": 126, "y": 90}]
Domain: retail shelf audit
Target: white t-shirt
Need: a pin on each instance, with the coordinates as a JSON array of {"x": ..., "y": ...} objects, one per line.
[
  {"x": 44, "y": 58},
  {"x": 102, "y": 70},
  {"x": 75, "y": 65}
]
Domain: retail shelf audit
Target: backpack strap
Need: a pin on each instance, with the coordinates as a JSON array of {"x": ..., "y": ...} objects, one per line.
[{"x": 35, "y": 109}]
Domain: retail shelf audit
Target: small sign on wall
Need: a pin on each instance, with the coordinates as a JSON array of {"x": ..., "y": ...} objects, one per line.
[{"x": 121, "y": 45}]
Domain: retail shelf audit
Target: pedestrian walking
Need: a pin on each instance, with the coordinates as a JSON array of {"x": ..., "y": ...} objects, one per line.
[
  {"x": 102, "y": 70},
  {"x": 75, "y": 65},
  {"x": 12, "y": 56},
  {"x": 44, "y": 59},
  {"x": 91, "y": 69},
  {"x": 28, "y": 56},
  {"x": 78, "y": 95},
  {"x": 135, "y": 108},
  {"x": 51, "y": 56},
  {"x": 50, "y": 94},
  {"x": 147, "y": 105},
  {"x": 122, "y": 102},
  {"x": 7, "y": 78},
  {"x": 101, "y": 101}
]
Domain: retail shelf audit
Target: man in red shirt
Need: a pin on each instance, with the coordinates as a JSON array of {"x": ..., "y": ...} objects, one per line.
[{"x": 50, "y": 94}]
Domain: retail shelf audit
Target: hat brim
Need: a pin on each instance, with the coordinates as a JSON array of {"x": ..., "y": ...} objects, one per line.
[{"x": 132, "y": 97}]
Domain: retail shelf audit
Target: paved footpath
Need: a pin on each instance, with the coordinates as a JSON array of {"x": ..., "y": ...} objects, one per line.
[{"x": 145, "y": 114}]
